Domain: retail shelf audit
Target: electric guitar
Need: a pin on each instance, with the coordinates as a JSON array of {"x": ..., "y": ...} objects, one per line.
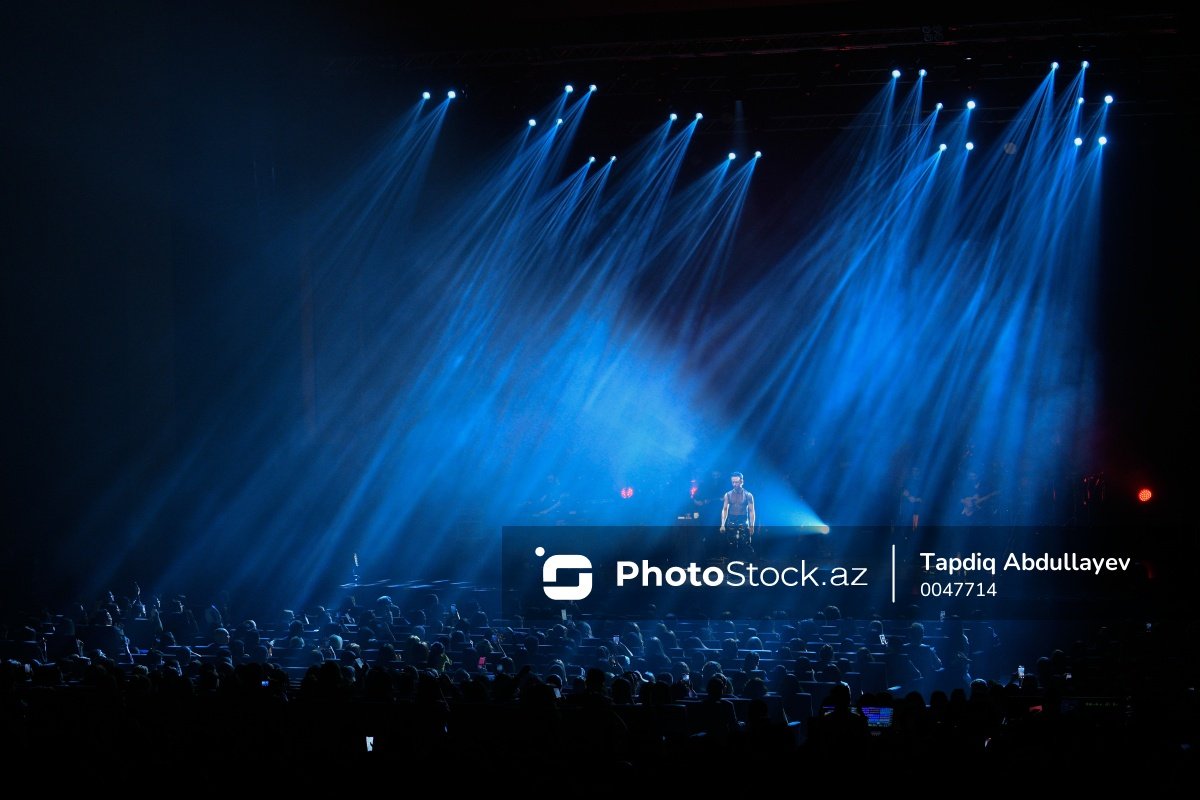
[{"x": 970, "y": 505}]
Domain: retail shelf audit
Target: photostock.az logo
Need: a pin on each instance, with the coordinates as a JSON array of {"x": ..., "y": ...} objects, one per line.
[{"x": 571, "y": 562}]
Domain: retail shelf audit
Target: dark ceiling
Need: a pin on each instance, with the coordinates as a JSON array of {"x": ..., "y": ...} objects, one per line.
[{"x": 778, "y": 49}]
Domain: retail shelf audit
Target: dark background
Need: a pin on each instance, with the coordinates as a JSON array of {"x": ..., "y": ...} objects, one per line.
[{"x": 153, "y": 152}]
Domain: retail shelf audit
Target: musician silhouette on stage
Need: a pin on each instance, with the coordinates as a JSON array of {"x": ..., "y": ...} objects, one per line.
[
  {"x": 978, "y": 504},
  {"x": 549, "y": 503},
  {"x": 708, "y": 497},
  {"x": 738, "y": 514},
  {"x": 911, "y": 501}
]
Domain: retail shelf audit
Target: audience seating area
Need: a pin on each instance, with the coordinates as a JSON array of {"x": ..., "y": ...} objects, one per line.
[{"x": 385, "y": 686}]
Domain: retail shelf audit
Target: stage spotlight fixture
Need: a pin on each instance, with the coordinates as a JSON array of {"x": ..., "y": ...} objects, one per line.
[
  {"x": 1102, "y": 140},
  {"x": 626, "y": 492},
  {"x": 558, "y": 121},
  {"x": 758, "y": 153},
  {"x": 451, "y": 94},
  {"x": 938, "y": 106},
  {"x": 532, "y": 122},
  {"x": 895, "y": 73},
  {"x": 1053, "y": 65},
  {"x": 1108, "y": 98},
  {"x": 1078, "y": 141},
  {"x": 970, "y": 145},
  {"x": 1085, "y": 65},
  {"x": 1144, "y": 495},
  {"x": 591, "y": 87},
  {"x": 568, "y": 88},
  {"x": 612, "y": 159},
  {"x": 699, "y": 115},
  {"x": 922, "y": 73},
  {"x": 732, "y": 156},
  {"x": 1079, "y": 101},
  {"x": 591, "y": 159},
  {"x": 425, "y": 95},
  {"x": 942, "y": 147},
  {"x": 970, "y": 104},
  {"x": 674, "y": 116}
]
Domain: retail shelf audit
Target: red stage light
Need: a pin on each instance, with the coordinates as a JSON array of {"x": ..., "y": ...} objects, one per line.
[
  {"x": 627, "y": 492},
  {"x": 1144, "y": 495}
]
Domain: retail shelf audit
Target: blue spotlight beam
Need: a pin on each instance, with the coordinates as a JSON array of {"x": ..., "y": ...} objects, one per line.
[{"x": 891, "y": 289}]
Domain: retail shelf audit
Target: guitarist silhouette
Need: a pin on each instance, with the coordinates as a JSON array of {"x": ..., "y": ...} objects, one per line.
[{"x": 978, "y": 503}]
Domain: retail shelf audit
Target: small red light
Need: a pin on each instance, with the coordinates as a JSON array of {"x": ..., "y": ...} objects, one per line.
[
  {"x": 627, "y": 492},
  {"x": 1144, "y": 495}
]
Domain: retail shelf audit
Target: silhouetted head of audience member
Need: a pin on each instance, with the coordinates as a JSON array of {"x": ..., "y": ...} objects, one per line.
[
  {"x": 622, "y": 691},
  {"x": 716, "y": 687}
]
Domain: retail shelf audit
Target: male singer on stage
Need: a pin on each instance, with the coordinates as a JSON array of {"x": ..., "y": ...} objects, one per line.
[{"x": 738, "y": 511}]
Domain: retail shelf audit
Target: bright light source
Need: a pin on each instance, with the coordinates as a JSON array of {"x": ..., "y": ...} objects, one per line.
[
  {"x": 1102, "y": 140},
  {"x": 1079, "y": 101},
  {"x": 532, "y": 122},
  {"x": 970, "y": 104},
  {"x": 626, "y": 492},
  {"x": 1078, "y": 141},
  {"x": 1085, "y": 65},
  {"x": 895, "y": 73},
  {"x": 451, "y": 94},
  {"x": 1108, "y": 98},
  {"x": 591, "y": 87},
  {"x": 938, "y": 106},
  {"x": 922, "y": 73},
  {"x": 568, "y": 88},
  {"x": 558, "y": 121},
  {"x": 674, "y": 116},
  {"x": 591, "y": 159},
  {"x": 425, "y": 95},
  {"x": 612, "y": 158},
  {"x": 1144, "y": 495},
  {"x": 970, "y": 145},
  {"x": 1053, "y": 65},
  {"x": 942, "y": 147},
  {"x": 758, "y": 153},
  {"x": 699, "y": 115},
  {"x": 732, "y": 156}
]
